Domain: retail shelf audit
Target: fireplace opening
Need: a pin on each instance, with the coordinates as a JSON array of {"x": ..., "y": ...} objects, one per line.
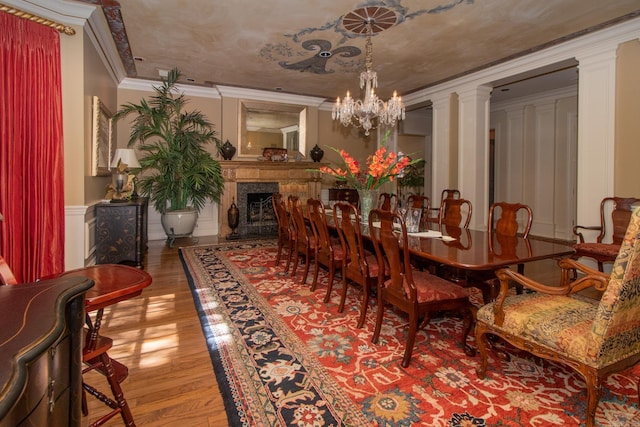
[
  {"x": 260, "y": 209},
  {"x": 257, "y": 216}
]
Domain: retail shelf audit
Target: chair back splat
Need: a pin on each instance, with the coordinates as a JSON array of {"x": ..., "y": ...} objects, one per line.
[
  {"x": 360, "y": 265},
  {"x": 507, "y": 222},
  {"x": 328, "y": 251},
  {"x": 455, "y": 212},
  {"x": 304, "y": 243},
  {"x": 387, "y": 201},
  {"x": 503, "y": 226},
  {"x": 415, "y": 292},
  {"x": 595, "y": 339},
  {"x": 285, "y": 232}
]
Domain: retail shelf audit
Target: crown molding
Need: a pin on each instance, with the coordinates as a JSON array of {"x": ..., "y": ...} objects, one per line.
[
  {"x": 263, "y": 95},
  {"x": 88, "y": 16},
  {"x": 67, "y": 12},
  {"x": 594, "y": 43},
  {"x": 98, "y": 31},
  {"x": 148, "y": 86}
]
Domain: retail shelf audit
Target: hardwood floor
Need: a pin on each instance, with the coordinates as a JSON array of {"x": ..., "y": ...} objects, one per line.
[{"x": 158, "y": 336}]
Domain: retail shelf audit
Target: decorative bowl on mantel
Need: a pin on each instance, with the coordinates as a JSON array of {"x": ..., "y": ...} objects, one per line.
[{"x": 275, "y": 154}]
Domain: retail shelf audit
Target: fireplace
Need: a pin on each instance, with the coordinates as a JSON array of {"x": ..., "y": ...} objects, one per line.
[
  {"x": 244, "y": 177},
  {"x": 256, "y": 209}
]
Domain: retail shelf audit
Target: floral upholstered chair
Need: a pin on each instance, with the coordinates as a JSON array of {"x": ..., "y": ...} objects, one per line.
[{"x": 594, "y": 338}]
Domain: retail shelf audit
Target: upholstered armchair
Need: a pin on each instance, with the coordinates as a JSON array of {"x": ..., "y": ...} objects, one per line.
[{"x": 595, "y": 338}]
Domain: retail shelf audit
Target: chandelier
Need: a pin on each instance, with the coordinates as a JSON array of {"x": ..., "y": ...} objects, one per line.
[{"x": 371, "y": 109}]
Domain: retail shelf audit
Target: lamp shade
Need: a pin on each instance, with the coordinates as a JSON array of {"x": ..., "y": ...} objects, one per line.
[{"x": 126, "y": 156}]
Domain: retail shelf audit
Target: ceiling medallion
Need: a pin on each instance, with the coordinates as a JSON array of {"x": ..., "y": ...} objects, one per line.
[{"x": 371, "y": 111}]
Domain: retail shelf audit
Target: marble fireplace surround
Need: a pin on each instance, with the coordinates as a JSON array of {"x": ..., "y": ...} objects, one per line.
[{"x": 292, "y": 178}]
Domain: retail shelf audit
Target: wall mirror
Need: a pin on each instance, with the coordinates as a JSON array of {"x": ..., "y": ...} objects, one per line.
[{"x": 271, "y": 125}]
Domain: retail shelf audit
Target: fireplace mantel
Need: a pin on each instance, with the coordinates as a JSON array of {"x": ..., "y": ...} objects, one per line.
[{"x": 299, "y": 178}]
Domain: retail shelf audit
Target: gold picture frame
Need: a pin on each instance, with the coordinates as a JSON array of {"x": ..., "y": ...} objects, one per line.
[{"x": 103, "y": 149}]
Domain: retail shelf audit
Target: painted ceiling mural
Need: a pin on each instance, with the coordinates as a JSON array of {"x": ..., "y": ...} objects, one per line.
[
  {"x": 382, "y": 15},
  {"x": 316, "y": 47}
]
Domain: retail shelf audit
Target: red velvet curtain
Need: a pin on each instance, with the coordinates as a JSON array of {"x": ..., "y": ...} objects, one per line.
[{"x": 31, "y": 149}]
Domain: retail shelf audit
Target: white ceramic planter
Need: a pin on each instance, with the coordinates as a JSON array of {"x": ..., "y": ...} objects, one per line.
[{"x": 179, "y": 223}]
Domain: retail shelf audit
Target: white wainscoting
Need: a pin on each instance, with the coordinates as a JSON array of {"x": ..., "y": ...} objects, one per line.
[
  {"x": 80, "y": 231},
  {"x": 207, "y": 225},
  {"x": 79, "y": 244}
]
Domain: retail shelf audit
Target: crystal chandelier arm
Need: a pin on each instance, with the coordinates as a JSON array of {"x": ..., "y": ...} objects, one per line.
[{"x": 371, "y": 111}]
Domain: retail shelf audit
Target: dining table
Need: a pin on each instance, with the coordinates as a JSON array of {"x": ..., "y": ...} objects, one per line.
[{"x": 474, "y": 251}]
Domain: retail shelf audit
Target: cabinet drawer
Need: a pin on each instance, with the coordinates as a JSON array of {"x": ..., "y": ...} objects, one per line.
[
  {"x": 61, "y": 408},
  {"x": 34, "y": 394},
  {"x": 60, "y": 372}
]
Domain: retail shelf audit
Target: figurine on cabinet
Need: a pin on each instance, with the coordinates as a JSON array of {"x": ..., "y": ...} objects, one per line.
[{"x": 122, "y": 187}]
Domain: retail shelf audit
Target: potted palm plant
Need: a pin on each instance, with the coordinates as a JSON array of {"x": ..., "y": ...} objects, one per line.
[{"x": 178, "y": 174}]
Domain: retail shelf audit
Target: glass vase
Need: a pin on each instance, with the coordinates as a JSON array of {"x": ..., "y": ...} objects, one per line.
[{"x": 368, "y": 200}]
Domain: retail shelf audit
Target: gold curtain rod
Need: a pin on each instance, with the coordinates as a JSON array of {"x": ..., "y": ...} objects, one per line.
[{"x": 40, "y": 20}]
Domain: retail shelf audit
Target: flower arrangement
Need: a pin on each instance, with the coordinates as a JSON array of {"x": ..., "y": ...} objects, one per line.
[{"x": 382, "y": 166}]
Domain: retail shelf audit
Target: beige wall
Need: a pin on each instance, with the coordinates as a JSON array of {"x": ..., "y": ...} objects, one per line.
[
  {"x": 230, "y": 120},
  {"x": 627, "y": 133},
  {"x": 83, "y": 76},
  {"x": 96, "y": 82},
  {"x": 73, "y": 117},
  {"x": 332, "y": 133},
  {"x": 210, "y": 107}
]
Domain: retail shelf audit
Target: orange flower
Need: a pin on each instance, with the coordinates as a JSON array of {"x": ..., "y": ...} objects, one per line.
[
  {"x": 382, "y": 166},
  {"x": 352, "y": 164}
]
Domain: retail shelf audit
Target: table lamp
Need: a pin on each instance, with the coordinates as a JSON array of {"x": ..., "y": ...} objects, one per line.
[{"x": 123, "y": 161}]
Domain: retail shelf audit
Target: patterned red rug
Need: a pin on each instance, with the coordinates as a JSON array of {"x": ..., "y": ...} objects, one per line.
[{"x": 283, "y": 357}]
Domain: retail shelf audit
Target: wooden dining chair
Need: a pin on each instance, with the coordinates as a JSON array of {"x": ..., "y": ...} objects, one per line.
[
  {"x": 455, "y": 212},
  {"x": 95, "y": 357},
  {"x": 447, "y": 193},
  {"x": 504, "y": 228},
  {"x": 503, "y": 219},
  {"x": 416, "y": 201},
  {"x": 285, "y": 234},
  {"x": 607, "y": 244},
  {"x": 304, "y": 241},
  {"x": 360, "y": 265},
  {"x": 415, "y": 292},
  {"x": 388, "y": 201},
  {"x": 328, "y": 251}
]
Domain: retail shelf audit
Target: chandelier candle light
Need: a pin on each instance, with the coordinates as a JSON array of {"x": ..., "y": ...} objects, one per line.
[{"x": 365, "y": 112}]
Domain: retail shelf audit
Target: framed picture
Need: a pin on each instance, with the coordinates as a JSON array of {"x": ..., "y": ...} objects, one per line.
[{"x": 102, "y": 146}]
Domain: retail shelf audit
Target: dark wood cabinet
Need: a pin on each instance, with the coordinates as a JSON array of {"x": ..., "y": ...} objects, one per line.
[
  {"x": 121, "y": 232},
  {"x": 344, "y": 195},
  {"x": 41, "y": 352}
]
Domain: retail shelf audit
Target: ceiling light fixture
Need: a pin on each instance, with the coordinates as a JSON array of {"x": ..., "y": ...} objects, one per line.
[{"x": 371, "y": 111}]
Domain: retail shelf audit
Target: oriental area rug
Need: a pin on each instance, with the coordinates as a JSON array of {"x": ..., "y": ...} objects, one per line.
[{"x": 283, "y": 357}]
